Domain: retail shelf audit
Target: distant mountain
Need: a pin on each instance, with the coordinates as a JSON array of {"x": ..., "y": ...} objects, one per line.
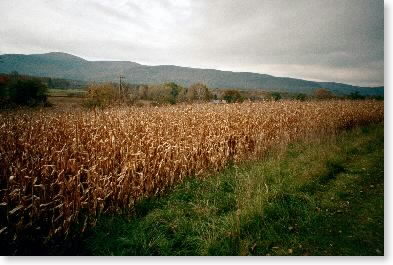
[{"x": 67, "y": 66}]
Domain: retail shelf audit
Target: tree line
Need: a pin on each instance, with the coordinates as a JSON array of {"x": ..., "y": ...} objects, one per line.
[
  {"x": 104, "y": 94},
  {"x": 24, "y": 90}
]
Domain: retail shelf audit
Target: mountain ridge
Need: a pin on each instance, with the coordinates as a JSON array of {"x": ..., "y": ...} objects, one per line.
[{"x": 68, "y": 66}]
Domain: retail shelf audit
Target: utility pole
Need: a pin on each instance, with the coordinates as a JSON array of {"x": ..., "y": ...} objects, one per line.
[{"x": 120, "y": 85}]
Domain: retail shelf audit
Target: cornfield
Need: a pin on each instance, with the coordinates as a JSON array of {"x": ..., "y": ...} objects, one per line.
[{"x": 60, "y": 169}]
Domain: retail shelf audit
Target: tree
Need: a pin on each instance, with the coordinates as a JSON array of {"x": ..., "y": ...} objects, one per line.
[
  {"x": 14, "y": 75},
  {"x": 101, "y": 95},
  {"x": 3, "y": 88},
  {"x": 143, "y": 92},
  {"x": 232, "y": 96},
  {"x": 174, "y": 91},
  {"x": 199, "y": 91},
  {"x": 301, "y": 97},
  {"x": 323, "y": 93},
  {"x": 207, "y": 95},
  {"x": 276, "y": 96},
  {"x": 50, "y": 83},
  {"x": 192, "y": 93},
  {"x": 28, "y": 92},
  {"x": 356, "y": 96},
  {"x": 159, "y": 93}
]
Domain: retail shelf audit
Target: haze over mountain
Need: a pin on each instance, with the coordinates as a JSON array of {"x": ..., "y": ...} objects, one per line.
[{"x": 63, "y": 65}]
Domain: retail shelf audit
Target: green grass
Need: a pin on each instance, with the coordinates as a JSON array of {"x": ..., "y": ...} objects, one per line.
[
  {"x": 66, "y": 92},
  {"x": 320, "y": 197}
]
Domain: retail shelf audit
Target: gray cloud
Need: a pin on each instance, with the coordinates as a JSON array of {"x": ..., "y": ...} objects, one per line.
[{"x": 329, "y": 40}]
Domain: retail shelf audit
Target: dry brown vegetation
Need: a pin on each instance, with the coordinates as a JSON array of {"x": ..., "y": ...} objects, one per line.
[{"x": 58, "y": 169}]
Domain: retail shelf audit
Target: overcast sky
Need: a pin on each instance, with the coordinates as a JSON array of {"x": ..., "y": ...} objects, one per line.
[{"x": 327, "y": 40}]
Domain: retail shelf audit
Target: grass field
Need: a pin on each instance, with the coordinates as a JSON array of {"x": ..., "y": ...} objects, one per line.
[
  {"x": 319, "y": 197},
  {"x": 67, "y": 103},
  {"x": 66, "y": 92}
]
